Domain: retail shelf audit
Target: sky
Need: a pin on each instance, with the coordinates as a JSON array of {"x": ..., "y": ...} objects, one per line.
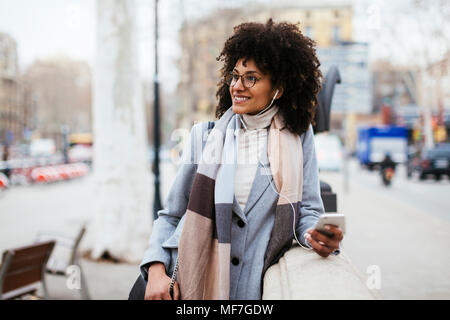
[{"x": 48, "y": 28}]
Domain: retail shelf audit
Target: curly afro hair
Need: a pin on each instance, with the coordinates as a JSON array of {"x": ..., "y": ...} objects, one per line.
[{"x": 280, "y": 50}]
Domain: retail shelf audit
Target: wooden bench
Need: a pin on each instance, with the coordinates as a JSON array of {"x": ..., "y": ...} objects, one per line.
[
  {"x": 23, "y": 269},
  {"x": 65, "y": 254}
]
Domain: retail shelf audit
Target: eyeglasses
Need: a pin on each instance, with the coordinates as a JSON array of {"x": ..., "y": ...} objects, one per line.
[{"x": 247, "y": 80}]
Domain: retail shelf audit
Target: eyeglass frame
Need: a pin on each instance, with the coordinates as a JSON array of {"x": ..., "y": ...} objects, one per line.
[{"x": 232, "y": 73}]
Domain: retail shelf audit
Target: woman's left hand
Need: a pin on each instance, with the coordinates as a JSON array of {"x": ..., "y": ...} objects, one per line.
[{"x": 322, "y": 244}]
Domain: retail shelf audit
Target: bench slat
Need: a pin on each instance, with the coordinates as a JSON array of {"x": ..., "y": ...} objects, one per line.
[
  {"x": 20, "y": 263},
  {"x": 25, "y": 267},
  {"x": 20, "y": 280}
]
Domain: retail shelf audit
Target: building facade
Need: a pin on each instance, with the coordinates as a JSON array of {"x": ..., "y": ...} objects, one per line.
[
  {"x": 61, "y": 90},
  {"x": 16, "y": 107},
  {"x": 394, "y": 86},
  {"x": 202, "y": 40}
]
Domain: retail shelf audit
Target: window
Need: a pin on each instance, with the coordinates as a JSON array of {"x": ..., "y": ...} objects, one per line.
[
  {"x": 336, "y": 34},
  {"x": 309, "y": 32}
]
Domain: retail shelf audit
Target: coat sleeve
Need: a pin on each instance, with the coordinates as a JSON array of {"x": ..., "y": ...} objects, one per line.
[
  {"x": 311, "y": 205},
  {"x": 176, "y": 204}
]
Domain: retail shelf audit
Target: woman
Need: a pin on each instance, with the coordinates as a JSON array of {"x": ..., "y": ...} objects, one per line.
[{"x": 255, "y": 187}]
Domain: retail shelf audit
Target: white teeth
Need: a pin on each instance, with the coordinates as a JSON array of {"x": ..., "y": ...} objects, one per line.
[{"x": 241, "y": 98}]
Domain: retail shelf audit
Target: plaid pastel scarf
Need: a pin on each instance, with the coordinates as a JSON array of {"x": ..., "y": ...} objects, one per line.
[{"x": 205, "y": 242}]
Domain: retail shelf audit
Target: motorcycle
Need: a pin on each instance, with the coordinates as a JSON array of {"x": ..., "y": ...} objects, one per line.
[{"x": 386, "y": 175}]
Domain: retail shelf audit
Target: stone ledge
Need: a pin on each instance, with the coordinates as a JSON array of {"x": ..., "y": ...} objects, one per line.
[{"x": 303, "y": 275}]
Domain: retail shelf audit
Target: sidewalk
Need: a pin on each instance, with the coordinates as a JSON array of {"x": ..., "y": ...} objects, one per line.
[{"x": 62, "y": 208}]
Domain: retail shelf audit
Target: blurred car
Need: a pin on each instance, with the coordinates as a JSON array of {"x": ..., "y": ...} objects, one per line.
[
  {"x": 329, "y": 152},
  {"x": 435, "y": 162},
  {"x": 80, "y": 153},
  {"x": 42, "y": 148},
  {"x": 19, "y": 151}
]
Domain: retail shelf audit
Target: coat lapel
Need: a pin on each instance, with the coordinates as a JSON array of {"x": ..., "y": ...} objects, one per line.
[{"x": 238, "y": 210}]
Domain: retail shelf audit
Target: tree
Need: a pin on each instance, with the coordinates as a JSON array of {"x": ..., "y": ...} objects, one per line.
[
  {"x": 122, "y": 219},
  {"x": 415, "y": 33}
]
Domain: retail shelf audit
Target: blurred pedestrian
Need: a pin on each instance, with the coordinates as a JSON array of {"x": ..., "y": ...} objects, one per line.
[
  {"x": 5, "y": 157},
  {"x": 234, "y": 214},
  {"x": 387, "y": 162}
]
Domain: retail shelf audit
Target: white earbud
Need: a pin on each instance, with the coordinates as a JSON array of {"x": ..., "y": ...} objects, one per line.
[
  {"x": 273, "y": 99},
  {"x": 276, "y": 93}
]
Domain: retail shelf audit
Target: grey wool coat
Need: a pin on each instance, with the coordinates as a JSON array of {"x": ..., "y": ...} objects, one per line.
[{"x": 251, "y": 228}]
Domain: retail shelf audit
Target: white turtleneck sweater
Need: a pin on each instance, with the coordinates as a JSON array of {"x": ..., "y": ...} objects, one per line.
[{"x": 252, "y": 139}]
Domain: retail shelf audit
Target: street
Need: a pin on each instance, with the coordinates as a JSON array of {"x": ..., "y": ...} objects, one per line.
[{"x": 404, "y": 230}]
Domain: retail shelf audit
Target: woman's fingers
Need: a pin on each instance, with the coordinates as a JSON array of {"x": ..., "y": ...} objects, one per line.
[
  {"x": 176, "y": 292},
  {"x": 337, "y": 232},
  {"x": 158, "y": 287},
  {"x": 327, "y": 241},
  {"x": 320, "y": 249}
]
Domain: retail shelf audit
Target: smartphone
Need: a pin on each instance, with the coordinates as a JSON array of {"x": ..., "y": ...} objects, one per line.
[{"x": 335, "y": 219}]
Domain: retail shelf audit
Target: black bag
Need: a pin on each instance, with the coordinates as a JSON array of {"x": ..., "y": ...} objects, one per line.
[{"x": 138, "y": 290}]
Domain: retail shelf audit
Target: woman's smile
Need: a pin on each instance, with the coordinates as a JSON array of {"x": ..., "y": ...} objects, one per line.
[{"x": 240, "y": 99}]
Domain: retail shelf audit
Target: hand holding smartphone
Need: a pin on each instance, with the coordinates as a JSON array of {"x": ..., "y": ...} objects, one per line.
[{"x": 335, "y": 219}]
